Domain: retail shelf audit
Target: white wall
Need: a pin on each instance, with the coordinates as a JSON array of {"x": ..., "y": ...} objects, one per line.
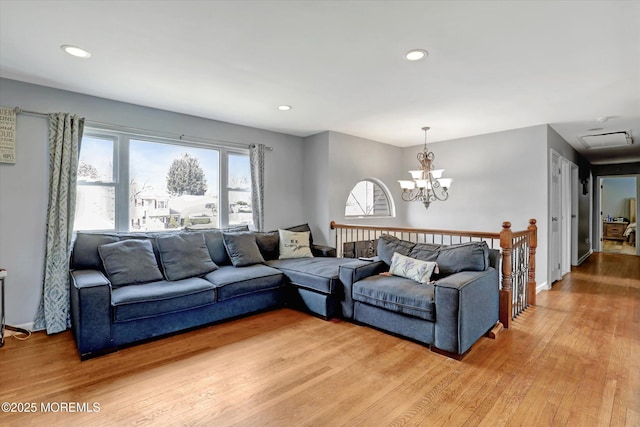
[
  {"x": 24, "y": 187},
  {"x": 497, "y": 177},
  {"x": 558, "y": 144},
  {"x": 616, "y": 193},
  {"x": 336, "y": 162},
  {"x": 316, "y": 186}
]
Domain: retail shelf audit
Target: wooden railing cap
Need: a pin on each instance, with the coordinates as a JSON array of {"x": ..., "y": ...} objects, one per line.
[{"x": 506, "y": 224}]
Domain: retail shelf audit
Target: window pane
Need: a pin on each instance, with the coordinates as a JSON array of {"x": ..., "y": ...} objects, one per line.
[
  {"x": 367, "y": 198},
  {"x": 96, "y": 159},
  {"x": 239, "y": 186},
  {"x": 172, "y": 186},
  {"x": 95, "y": 208}
]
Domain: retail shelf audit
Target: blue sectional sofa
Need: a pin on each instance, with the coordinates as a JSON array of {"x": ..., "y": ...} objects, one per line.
[{"x": 130, "y": 287}]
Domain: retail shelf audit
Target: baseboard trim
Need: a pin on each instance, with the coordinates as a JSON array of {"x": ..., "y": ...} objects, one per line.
[
  {"x": 542, "y": 287},
  {"x": 27, "y": 326}
]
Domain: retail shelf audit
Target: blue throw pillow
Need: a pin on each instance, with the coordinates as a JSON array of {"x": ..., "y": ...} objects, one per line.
[
  {"x": 184, "y": 255},
  {"x": 129, "y": 262},
  {"x": 388, "y": 245},
  {"x": 268, "y": 243},
  {"x": 242, "y": 249},
  {"x": 471, "y": 256}
]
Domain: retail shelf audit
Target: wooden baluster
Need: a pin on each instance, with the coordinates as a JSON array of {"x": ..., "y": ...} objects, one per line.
[
  {"x": 533, "y": 244},
  {"x": 506, "y": 301}
]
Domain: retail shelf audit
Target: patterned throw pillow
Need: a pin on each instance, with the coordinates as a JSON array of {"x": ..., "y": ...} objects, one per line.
[
  {"x": 412, "y": 268},
  {"x": 294, "y": 244}
]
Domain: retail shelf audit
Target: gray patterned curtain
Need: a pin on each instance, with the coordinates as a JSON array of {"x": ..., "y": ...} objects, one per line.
[
  {"x": 256, "y": 157},
  {"x": 65, "y": 134}
]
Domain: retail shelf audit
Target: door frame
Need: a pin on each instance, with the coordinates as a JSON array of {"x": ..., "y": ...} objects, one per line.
[{"x": 599, "y": 214}]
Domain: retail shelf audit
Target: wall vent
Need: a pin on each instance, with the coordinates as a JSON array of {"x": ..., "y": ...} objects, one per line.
[{"x": 606, "y": 140}]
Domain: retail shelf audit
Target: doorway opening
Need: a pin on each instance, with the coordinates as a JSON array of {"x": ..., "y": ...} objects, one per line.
[{"x": 618, "y": 214}]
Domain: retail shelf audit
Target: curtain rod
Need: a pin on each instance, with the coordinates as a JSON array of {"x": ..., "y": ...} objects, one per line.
[{"x": 140, "y": 131}]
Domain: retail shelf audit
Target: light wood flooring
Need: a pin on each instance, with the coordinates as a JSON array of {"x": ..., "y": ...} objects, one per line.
[
  {"x": 573, "y": 360},
  {"x": 618, "y": 247}
]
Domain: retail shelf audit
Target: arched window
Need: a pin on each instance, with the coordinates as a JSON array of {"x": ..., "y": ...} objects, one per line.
[{"x": 369, "y": 197}]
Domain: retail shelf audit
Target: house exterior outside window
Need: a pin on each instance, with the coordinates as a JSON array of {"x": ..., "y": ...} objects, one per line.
[{"x": 139, "y": 183}]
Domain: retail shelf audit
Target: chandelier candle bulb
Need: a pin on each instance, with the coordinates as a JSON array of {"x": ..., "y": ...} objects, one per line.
[{"x": 427, "y": 185}]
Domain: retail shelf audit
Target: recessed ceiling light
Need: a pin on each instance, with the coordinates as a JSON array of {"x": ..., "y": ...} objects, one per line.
[
  {"x": 416, "y": 54},
  {"x": 75, "y": 51},
  {"x": 602, "y": 119},
  {"x": 284, "y": 107}
]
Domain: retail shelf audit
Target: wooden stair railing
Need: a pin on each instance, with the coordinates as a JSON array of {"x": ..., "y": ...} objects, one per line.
[{"x": 517, "y": 255}]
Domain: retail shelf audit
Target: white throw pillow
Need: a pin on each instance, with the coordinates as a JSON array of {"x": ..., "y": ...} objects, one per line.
[
  {"x": 412, "y": 268},
  {"x": 294, "y": 244}
]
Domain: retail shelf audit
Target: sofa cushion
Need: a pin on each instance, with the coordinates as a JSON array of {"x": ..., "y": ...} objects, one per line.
[
  {"x": 397, "y": 294},
  {"x": 157, "y": 298},
  {"x": 470, "y": 256},
  {"x": 412, "y": 268},
  {"x": 242, "y": 249},
  {"x": 184, "y": 255},
  {"x": 294, "y": 244},
  {"x": 425, "y": 251},
  {"x": 237, "y": 281},
  {"x": 215, "y": 243},
  {"x": 388, "y": 245},
  {"x": 129, "y": 262},
  {"x": 85, "y": 250},
  {"x": 319, "y": 274},
  {"x": 269, "y": 244}
]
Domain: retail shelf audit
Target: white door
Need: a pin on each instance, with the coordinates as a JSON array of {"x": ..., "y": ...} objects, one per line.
[
  {"x": 555, "y": 241},
  {"x": 574, "y": 213},
  {"x": 565, "y": 216}
]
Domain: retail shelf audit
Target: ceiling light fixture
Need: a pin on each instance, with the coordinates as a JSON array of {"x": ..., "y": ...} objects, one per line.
[
  {"x": 75, "y": 51},
  {"x": 427, "y": 185},
  {"x": 284, "y": 107},
  {"x": 416, "y": 54}
]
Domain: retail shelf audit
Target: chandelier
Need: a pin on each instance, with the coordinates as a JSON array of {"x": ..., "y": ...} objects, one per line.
[{"x": 427, "y": 185}]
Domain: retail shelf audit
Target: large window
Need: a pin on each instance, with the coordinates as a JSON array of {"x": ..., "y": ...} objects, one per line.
[
  {"x": 134, "y": 183},
  {"x": 369, "y": 197}
]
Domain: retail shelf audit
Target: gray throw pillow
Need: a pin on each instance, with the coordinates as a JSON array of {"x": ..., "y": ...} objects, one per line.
[
  {"x": 388, "y": 245},
  {"x": 268, "y": 243},
  {"x": 215, "y": 246},
  {"x": 129, "y": 262},
  {"x": 242, "y": 249},
  {"x": 425, "y": 251},
  {"x": 184, "y": 255},
  {"x": 471, "y": 256}
]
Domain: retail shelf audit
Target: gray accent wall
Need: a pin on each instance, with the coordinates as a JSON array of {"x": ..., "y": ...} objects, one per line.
[
  {"x": 497, "y": 177},
  {"x": 334, "y": 164},
  {"x": 24, "y": 186},
  {"x": 558, "y": 144}
]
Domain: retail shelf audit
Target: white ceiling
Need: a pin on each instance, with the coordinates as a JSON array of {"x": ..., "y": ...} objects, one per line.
[{"x": 492, "y": 65}]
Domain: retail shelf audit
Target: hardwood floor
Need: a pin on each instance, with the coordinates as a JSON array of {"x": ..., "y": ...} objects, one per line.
[
  {"x": 572, "y": 360},
  {"x": 618, "y": 247}
]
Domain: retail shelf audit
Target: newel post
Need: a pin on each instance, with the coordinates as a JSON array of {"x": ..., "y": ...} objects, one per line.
[
  {"x": 506, "y": 300},
  {"x": 533, "y": 244}
]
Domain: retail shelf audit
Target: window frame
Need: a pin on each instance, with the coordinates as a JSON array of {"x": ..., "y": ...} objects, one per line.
[
  {"x": 385, "y": 192},
  {"x": 121, "y": 162}
]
